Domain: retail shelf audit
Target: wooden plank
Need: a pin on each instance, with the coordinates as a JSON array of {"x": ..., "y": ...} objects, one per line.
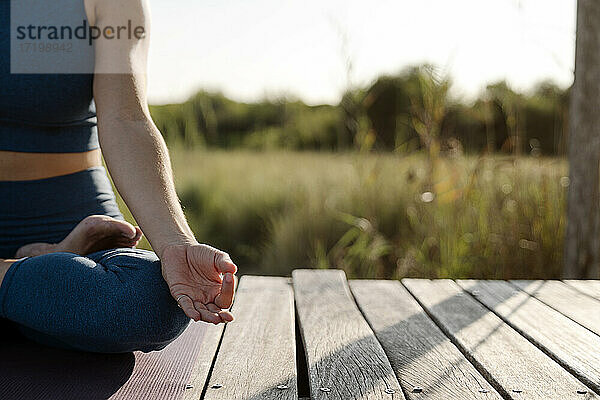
[
  {"x": 570, "y": 344},
  {"x": 210, "y": 342},
  {"x": 258, "y": 351},
  {"x": 345, "y": 360},
  {"x": 516, "y": 368},
  {"x": 421, "y": 355},
  {"x": 589, "y": 287},
  {"x": 565, "y": 299}
]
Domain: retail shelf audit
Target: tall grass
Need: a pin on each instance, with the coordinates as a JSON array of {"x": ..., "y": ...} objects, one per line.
[{"x": 488, "y": 217}]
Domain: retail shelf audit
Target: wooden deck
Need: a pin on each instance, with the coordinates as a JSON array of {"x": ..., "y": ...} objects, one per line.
[{"x": 317, "y": 336}]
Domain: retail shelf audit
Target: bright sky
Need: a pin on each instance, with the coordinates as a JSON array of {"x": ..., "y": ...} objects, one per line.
[{"x": 249, "y": 49}]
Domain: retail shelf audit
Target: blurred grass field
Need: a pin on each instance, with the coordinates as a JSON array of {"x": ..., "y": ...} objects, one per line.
[{"x": 377, "y": 215}]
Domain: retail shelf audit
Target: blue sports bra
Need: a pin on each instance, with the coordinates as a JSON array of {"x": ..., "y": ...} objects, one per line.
[{"x": 46, "y": 113}]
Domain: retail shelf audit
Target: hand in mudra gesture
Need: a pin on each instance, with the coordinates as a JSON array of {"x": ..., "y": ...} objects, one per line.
[{"x": 202, "y": 279}]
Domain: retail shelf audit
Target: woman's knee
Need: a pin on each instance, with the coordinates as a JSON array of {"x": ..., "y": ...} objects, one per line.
[{"x": 155, "y": 319}]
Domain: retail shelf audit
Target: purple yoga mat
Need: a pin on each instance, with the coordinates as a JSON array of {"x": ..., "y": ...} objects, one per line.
[{"x": 30, "y": 371}]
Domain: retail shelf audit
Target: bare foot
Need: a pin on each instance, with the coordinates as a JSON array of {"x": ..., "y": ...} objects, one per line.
[{"x": 93, "y": 233}]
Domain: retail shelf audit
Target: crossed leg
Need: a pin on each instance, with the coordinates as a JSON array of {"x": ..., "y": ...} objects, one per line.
[{"x": 112, "y": 300}]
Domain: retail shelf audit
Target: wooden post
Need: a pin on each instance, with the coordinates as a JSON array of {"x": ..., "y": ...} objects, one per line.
[{"x": 581, "y": 258}]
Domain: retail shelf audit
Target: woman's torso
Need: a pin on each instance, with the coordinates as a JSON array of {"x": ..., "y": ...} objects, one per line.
[
  {"x": 50, "y": 166},
  {"x": 51, "y": 111}
]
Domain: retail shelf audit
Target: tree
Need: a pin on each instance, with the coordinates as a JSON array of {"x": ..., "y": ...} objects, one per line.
[{"x": 582, "y": 237}]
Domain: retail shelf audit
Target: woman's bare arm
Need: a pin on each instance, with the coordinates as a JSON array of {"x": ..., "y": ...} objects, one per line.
[
  {"x": 200, "y": 277},
  {"x": 133, "y": 148}
]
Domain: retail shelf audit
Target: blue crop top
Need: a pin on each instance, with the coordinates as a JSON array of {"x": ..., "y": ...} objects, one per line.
[{"x": 45, "y": 113}]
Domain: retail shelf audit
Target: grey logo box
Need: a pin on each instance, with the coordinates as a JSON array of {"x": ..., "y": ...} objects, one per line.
[
  {"x": 55, "y": 37},
  {"x": 50, "y": 37}
]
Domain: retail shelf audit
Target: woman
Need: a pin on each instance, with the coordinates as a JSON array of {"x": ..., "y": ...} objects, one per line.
[{"x": 69, "y": 273}]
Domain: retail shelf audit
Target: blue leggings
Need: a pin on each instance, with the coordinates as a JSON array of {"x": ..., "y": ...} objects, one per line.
[{"x": 111, "y": 301}]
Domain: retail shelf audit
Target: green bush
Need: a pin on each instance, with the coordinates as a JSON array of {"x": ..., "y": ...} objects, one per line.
[{"x": 401, "y": 113}]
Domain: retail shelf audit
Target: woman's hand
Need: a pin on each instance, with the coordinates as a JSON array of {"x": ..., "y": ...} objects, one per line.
[{"x": 202, "y": 279}]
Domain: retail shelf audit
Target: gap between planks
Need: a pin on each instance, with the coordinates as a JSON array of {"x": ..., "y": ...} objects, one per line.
[{"x": 345, "y": 360}]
